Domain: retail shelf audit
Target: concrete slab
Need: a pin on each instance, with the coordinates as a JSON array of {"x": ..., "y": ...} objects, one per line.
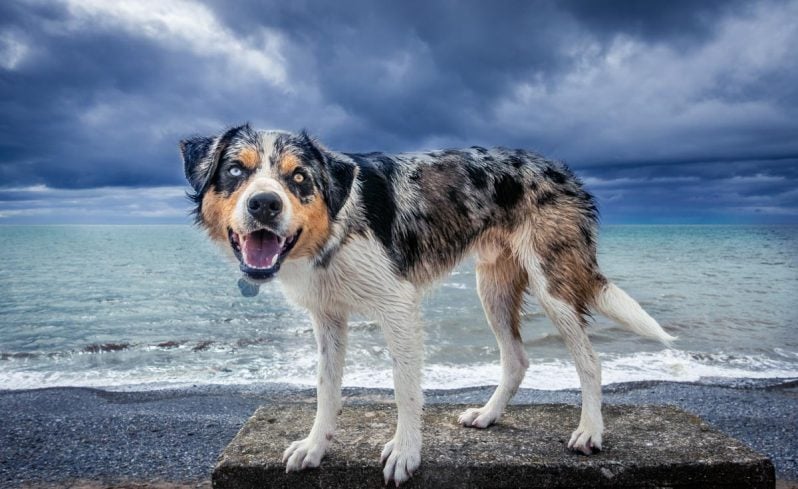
[{"x": 644, "y": 446}]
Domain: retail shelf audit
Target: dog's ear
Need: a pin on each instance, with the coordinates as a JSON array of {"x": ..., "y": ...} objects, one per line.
[
  {"x": 197, "y": 161},
  {"x": 340, "y": 175},
  {"x": 201, "y": 157}
]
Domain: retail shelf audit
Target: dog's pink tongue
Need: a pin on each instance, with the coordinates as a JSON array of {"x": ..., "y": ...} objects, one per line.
[{"x": 260, "y": 249}]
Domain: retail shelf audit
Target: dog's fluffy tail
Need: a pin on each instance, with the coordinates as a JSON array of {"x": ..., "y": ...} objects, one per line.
[{"x": 616, "y": 304}]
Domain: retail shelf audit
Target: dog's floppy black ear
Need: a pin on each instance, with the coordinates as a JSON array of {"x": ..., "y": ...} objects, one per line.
[
  {"x": 197, "y": 158},
  {"x": 341, "y": 175},
  {"x": 201, "y": 157}
]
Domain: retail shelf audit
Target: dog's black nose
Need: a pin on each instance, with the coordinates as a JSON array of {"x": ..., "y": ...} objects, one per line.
[{"x": 265, "y": 206}]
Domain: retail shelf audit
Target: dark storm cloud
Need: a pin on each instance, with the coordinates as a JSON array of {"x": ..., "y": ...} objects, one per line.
[
  {"x": 762, "y": 191},
  {"x": 87, "y": 106},
  {"x": 683, "y": 21},
  {"x": 672, "y": 110}
]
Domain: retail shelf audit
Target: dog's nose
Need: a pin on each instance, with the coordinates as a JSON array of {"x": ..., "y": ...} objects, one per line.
[{"x": 265, "y": 206}]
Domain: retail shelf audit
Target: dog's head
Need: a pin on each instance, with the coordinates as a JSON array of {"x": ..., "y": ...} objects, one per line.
[{"x": 268, "y": 196}]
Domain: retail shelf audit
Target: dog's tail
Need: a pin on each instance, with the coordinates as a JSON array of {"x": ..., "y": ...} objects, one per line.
[{"x": 616, "y": 304}]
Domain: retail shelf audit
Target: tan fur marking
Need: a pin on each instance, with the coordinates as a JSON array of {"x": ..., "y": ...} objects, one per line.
[
  {"x": 569, "y": 264},
  {"x": 507, "y": 280},
  {"x": 217, "y": 212},
  {"x": 288, "y": 164},
  {"x": 314, "y": 220},
  {"x": 250, "y": 158}
]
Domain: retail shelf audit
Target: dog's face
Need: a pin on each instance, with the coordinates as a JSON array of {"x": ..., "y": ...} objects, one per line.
[{"x": 266, "y": 196}]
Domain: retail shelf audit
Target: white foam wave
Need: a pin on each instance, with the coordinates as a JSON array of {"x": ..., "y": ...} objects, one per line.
[{"x": 670, "y": 365}]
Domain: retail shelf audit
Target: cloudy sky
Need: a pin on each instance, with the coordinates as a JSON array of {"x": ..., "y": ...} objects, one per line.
[{"x": 672, "y": 112}]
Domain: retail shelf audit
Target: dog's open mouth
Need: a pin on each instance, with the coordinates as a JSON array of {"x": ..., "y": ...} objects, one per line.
[{"x": 260, "y": 253}]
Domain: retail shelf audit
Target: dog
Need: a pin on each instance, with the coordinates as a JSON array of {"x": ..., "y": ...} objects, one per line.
[{"x": 369, "y": 233}]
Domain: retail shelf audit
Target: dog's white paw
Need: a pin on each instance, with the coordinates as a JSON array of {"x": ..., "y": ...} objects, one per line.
[
  {"x": 585, "y": 439},
  {"x": 478, "y": 417},
  {"x": 303, "y": 454},
  {"x": 401, "y": 460}
]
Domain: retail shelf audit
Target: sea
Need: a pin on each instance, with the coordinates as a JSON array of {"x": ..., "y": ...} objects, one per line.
[{"x": 152, "y": 307}]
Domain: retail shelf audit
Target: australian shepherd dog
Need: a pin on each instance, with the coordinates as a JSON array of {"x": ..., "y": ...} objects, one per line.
[{"x": 369, "y": 233}]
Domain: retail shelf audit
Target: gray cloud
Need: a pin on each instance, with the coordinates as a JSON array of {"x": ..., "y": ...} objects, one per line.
[
  {"x": 42, "y": 204},
  {"x": 95, "y": 94}
]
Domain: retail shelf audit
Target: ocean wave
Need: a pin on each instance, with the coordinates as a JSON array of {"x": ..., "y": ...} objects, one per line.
[
  {"x": 111, "y": 348},
  {"x": 670, "y": 365},
  {"x": 299, "y": 369}
]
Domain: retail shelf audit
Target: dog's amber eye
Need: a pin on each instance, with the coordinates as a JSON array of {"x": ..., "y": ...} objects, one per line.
[
  {"x": 235, "y": 171},
  {"x": 299, "y": 178}
]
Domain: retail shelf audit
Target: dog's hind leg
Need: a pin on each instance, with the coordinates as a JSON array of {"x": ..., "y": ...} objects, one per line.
[
  {"x": 501, "y": 282},
  {"x": 330, "y": 331},
  {"x": 571, "y": 323}
]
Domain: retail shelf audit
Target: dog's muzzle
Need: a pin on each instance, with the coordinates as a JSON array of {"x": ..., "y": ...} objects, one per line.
[{"x": 260, "y": 253}]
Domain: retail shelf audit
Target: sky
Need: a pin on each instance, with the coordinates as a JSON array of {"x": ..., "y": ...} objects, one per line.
[{"x": 671, "y": 112}]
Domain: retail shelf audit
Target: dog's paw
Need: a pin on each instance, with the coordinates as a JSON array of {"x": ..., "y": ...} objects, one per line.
[
  {"x": 303, "y": 454},
  {"x": 401, "y": 460},
  {"x": 585, "y": 440},
  {"x": 478, "y": 417}
]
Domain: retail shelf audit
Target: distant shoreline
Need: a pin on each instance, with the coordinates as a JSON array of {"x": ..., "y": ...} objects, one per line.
[{"x": 59, "y": 434}]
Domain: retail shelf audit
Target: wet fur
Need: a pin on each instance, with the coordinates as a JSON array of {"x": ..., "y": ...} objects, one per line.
[{"x": 379, "y": 229}]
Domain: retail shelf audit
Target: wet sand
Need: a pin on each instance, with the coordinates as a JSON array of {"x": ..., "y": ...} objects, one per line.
[{"x": 91, "y": 438}]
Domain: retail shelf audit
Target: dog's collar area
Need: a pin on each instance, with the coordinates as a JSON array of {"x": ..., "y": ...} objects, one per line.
[
  {"x": 260, "y": 254},
  {"x": 247, "y": 288}
]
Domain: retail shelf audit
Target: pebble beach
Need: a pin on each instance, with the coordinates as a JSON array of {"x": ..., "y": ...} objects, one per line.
[{"x": 87, "y": 438}]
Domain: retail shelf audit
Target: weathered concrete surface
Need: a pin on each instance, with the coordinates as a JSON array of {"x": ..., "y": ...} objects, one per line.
[{"x": 644, "y": 446}]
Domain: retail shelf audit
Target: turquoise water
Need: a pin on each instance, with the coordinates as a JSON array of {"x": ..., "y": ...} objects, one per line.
[{"x": 152, "y": 306}]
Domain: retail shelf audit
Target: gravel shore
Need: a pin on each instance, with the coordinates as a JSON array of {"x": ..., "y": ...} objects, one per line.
[{"x": 171, "y": 438}]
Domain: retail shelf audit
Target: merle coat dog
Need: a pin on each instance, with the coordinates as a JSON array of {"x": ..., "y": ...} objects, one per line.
[{"x": 369, "y": 233}]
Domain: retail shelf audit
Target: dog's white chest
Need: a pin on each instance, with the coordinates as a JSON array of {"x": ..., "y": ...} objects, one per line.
[{"x": 359, "y": 278}]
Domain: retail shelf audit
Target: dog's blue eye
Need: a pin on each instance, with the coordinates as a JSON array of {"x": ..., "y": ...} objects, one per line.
[{"x": 235, "y": 171}]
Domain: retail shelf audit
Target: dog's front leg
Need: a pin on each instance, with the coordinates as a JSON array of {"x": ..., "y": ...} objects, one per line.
[
  {"x": 330, "y": 331},
  {"x": 403, "y": 334}
]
